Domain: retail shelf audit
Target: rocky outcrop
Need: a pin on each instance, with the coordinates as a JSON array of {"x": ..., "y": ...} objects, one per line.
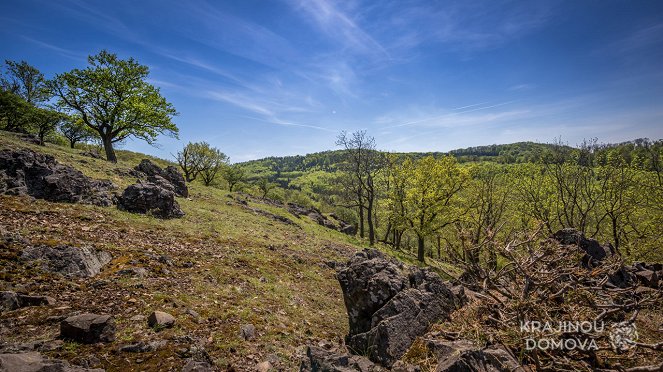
[
  {"x": 389, "y": 305},
  {"x": 25, "y": 172},
  {"x": 68, "y": 260},
  {"x": 463, "y": 355},
  {"x": 331, "y": 222},
  {"x": 11, "y": 300},
  {"x": 318, "y": 359},
  {"x": 36, "y": 362},
  {"x": 88, "y": 328},
  {"x": 150, "y": 198},
  {"x": 169, "y": 178}
]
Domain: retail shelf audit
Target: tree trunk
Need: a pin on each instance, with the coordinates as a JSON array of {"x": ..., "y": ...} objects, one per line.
[
  {"x": 439, "y": 248},
  {"x": 72, "y": 144},
  {"x": 108, "y": 147},
  {"x": 371, "y": 230},
  {"x": 361, "y": 220},
  {"x": 420, "y": 248}
]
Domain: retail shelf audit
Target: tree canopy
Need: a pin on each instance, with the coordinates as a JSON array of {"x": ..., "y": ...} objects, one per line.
[{"x": 113, "y": 98}]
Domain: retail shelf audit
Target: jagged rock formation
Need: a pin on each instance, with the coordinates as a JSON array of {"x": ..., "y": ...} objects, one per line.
[
  {"x": 150, "y": 198},
  {"x": 68, "y": 260},
  {"x": 389, "y": 305},
  {"x": 169, "y": 178},
  {"x": 35, "y": 362},
  {"x": 25, "y": 172}
]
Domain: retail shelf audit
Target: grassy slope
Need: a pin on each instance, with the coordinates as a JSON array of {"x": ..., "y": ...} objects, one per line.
[{"x": 247, "y": 269}]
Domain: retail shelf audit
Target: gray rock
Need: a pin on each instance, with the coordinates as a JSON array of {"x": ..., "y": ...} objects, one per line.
[
  {"x": 150, "y": 198},
  {"x": 170, "y": 178},
  {"x": 160, "y": 320},
  {"x": 390, "y": 305},
  {"x": 247, "y": 332},
  {"x": 9, "y": 301},
  {"x": 35, "y": 362},
  {"x": 462, "y": 355},
  {"x": 647, "y": 278},
  {"x": 25, "y": 172},
  {"x": 139, "y": 272},
  {"x": 142, "y": 347},
  {"x": 26, "y": 300},
  {"x": 68, "y": 260},
  {"x": 88, "y": 328},
  {"x": 321, "y": 360},
  {"x": 197, "y": 366}
]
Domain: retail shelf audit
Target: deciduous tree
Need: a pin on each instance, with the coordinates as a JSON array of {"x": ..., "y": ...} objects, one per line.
[{"x": 113, "y": 98}]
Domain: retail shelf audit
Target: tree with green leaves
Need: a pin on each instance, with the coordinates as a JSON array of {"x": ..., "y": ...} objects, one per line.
[
  {"x": 25, "y": 81},
  {"x": 265, "y": 186},
  {"x": 43, "y": 122},
  {"x": 212, "y": 163},
  {"x": 190, "y": 158},
  {"x": 113, "y": 98},
  {"x": 74, "y": 130},
  {"x": 429, "y": 188},
  {"x": 233, "y": 174},
  {"x": 13, "y": 112}
]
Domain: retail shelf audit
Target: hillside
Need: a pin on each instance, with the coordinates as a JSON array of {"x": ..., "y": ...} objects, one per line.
[{"x": 230, "y": 265}]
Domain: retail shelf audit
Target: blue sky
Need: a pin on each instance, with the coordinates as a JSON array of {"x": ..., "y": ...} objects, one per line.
[{"x": 283, "y": 77}]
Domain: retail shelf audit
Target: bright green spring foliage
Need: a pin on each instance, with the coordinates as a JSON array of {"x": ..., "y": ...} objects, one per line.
[
  {"x": 424, "y": 193},
  {"x": 113, "y": 98}
]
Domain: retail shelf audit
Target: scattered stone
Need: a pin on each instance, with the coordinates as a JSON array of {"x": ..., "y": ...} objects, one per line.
[
  {"x": 247, "y": 332},
  {"x": 314, "y": 214},
  {"x": 150, "y": 198},
  {"x": 142, "y": 347},
  {"x": 25, "y": 300},
  {"x": 36, "y": 362},
  {"x": 197, "y": 366},
  {"x": 138, "y": 272},
  {"x": 68, "y": 260},
  {"x": 265, "y": 366},
  {"x": 91, "y": 154},
  {"x": 9, "y": 301},
  {"x": 390, "y": 305},
  {"x": 25, "y": 172},
  {"x": 187, "y": 265},
  {"x": 170, "y": 176},
  {"x": 88, "y": 328},
  {"x": 166, "y": 260},
  {"x": 193, "y": 313},
  {"x": 159, "y": 320}
]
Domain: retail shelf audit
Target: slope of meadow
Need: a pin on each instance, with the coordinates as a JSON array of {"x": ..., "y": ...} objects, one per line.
[{"x": 230, "y": 265}]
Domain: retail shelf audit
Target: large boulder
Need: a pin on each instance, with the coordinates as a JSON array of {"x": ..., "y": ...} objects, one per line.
[
  {"x": 25, "y": 172},
  {"x": 150, "y": 198},
  {"x": 390, "y": 305},
  {"x": 318, "y": 359},
  {"x": 36, "y": 362},
  {"x": 68, "y": 260},
  {"x": 170, "y": 175},
  {"x": 462, "y": 355},
  {"x": 88, "y": 328}
]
